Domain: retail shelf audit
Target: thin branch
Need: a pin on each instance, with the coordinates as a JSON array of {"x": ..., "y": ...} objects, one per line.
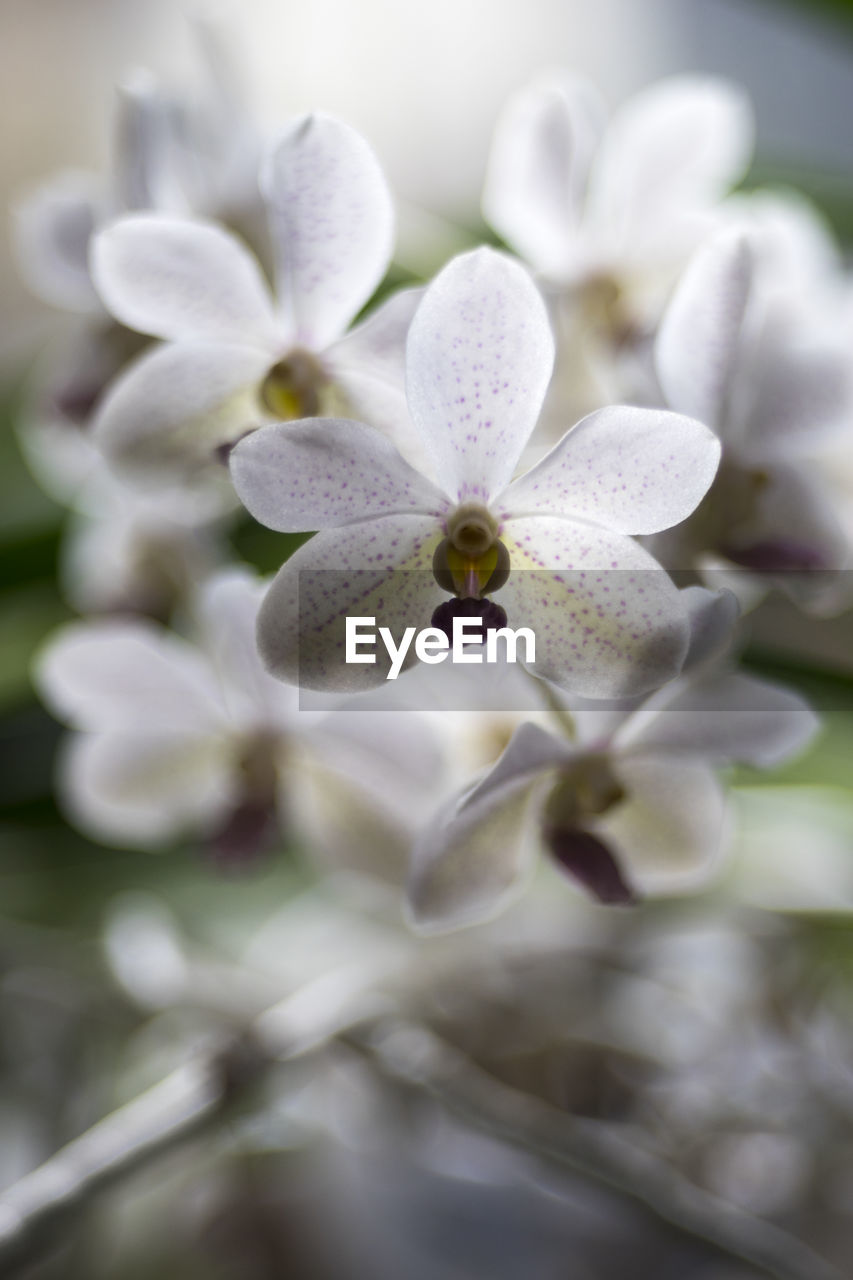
[
  {"x": 415, "y": 1056},
  {"x": 341, "y": 1006},
  {"x": 198, "y": 1094}
]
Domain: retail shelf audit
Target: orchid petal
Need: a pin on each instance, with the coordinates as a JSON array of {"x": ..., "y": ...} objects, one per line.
[
  {"x": 669, "y": 152},
  {"x": 333, "y": 225},
  {"x": 627, "y": 469},
  {"x": 608, "y": 620},
  {"x": 480, "y": 354},
  {"x": 368, "y": 366},
  {"x": 323, "y": 473},
  {"x": 793, "y": 533},
  {"x": 403, "y": 743},
  {"x": 472, "y": 860},
  {"x": 52, "y": 229},
  {"x": 378, "y": 344},
  {"x": 175, "y": 405},
  {"x": 725, "y": 718},
  {"x": 365, "y": 789},
  {"x": 227, "y": 607},
  {"x": 796, "y": 245},
  {"x": 538, "y": 168},
  {"x": 145, "y": 166},
  {"x": 530, "y": 751},
  {"x": 802, "y": 392},
  {"x": 352, "y": 819},
  {"x": 141, "y": 790},
  {"x": 669, "y": 830},
  {"x": 699, "y": 336},
  {"x": 713, "y": 617},
  {"x": 356, "y": 572},
  {"x": 125, "y": 675},
  {"x": 183, "y": 279}
]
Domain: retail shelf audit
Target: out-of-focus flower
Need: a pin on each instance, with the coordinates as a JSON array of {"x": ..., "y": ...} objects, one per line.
[
  {"x": 607, "y": 213},
  {"x": 233, "y": 355},
  {"x": 178, "y": 154},
  {"x": 632, "y": 806},
  {"x": 177, "y": 741},
  {"x": 772, "y": 386},
  {"x": 479, "y": 358},
  {"x": 126, "y": 551},
  {"x": 171, "y": 153}
]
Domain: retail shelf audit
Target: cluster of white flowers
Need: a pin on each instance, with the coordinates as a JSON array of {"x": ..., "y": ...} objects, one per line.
[{"x": 222, "y": 348}]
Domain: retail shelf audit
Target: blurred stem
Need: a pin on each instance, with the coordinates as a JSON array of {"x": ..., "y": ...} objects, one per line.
[
  {"x": 343, "y": 1006},
  {"x": 202, "y": 1092},
  {"x": 417, "y": 1057}
]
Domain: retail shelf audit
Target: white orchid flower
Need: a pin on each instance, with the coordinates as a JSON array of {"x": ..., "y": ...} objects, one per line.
[
  {"x": 632, "y": 806},
  {"x": 180, "y": 741},
  {"x": 233, "y": 355},
  {"x": 607, "y": 213},
  {"x": 479, "y": 359},
  {"x": 774, "y": 388}
]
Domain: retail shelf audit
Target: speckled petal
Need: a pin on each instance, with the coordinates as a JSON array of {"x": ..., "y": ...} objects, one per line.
[
  {"x": 627, "y": 469},
  {"x": 700, "y": 334},
  {"x": 333, "y": 226},
  {"x": 183, "y": 279},
  {"x": 608, "y": 621},
  {"x": 353, "y": 572},
  {"x": 321, "y": 473},
  {"x": 480, "y": 354}
]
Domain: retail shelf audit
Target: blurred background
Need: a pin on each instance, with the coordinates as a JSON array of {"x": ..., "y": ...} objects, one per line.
[{"x": 464, "y": 1139}]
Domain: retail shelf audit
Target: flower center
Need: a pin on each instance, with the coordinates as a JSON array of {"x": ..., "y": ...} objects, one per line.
[
  {"x": 472, "y": 529},
  {"x": 471, "y": 558},
  {"x": 292, "y": 387},
  {"x": 606, "y": 309},
  {"x": 586, "y": 789},
  {"x": 251, "y": 827}
]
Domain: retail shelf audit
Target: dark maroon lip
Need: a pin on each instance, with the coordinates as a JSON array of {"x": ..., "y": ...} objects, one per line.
[
  {"x": 777, "y": 555},
  {"x": 590, "y": 862}
]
